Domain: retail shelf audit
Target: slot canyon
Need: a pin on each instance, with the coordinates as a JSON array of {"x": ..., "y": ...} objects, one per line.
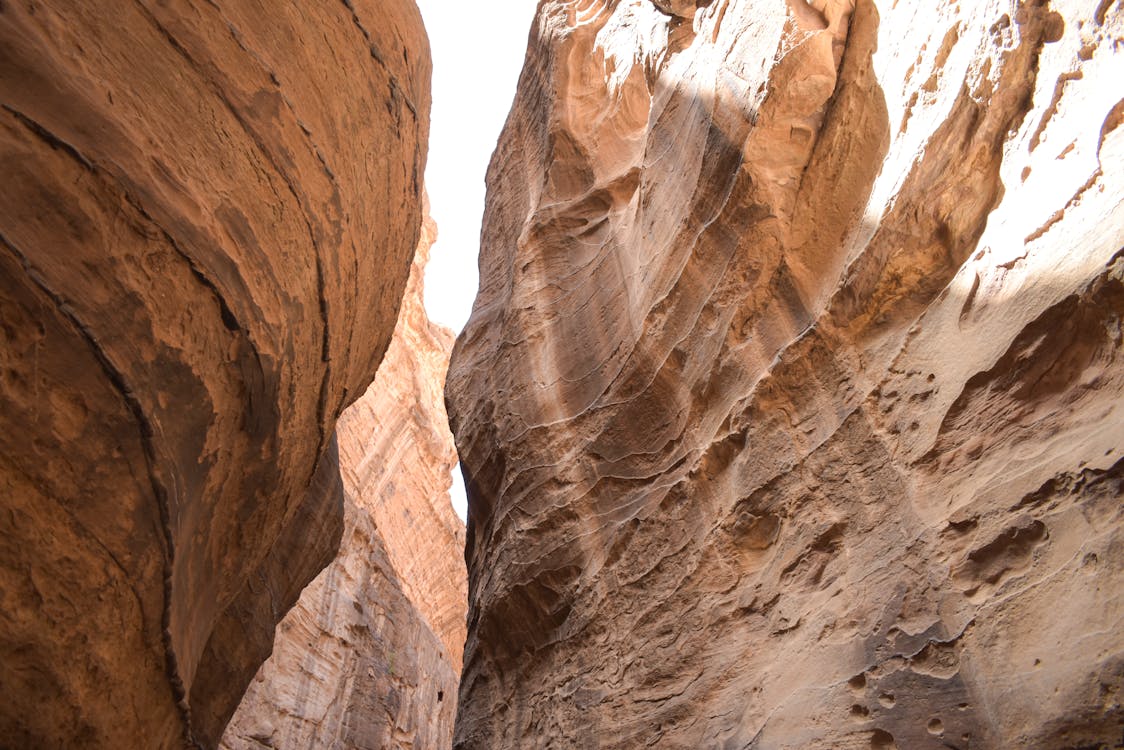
[{"x": 789, "y": 408}]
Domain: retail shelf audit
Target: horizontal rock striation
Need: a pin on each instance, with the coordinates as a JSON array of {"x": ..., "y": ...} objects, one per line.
[
  {"x": 207, "y": 215},
  {"x": 790, "y": 403},
  {"x": 370, "y": 656}
]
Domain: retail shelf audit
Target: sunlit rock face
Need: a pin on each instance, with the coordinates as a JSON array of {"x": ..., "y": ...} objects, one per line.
[
  {"x": 371, "y": 654},
  {"x": 207, "y": 216},
  {"x": 790, "y": 403}
]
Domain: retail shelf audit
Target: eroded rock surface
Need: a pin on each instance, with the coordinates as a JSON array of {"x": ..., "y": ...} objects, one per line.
[
  {"x": 371, "y": 654},
  {"x": 790, "y": 402},
  {"x": 207, "y": 215}
]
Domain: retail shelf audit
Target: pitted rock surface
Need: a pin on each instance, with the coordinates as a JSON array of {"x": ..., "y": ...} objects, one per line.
[{"x": 790, "y": 401}]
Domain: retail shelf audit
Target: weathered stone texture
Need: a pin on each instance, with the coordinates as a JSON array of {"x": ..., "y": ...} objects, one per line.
[
  {"x": 370, "y": 655},
  {"x": 207, "y": 215},
  {"x": 397, "y": 455},
  {"x": 790, "y": 402}
]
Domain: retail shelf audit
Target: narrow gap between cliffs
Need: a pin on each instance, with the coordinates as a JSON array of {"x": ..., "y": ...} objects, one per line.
[{"x": 476, "y": 62}]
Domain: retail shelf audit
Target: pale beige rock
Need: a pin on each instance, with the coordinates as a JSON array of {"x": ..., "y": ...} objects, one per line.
[
  {"x": 370, "y": 656},
  {"x": 790, "y": 402},
  {"x": 397, "y": 454}
]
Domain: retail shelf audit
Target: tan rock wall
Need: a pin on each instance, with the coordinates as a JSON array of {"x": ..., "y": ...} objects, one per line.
[
  {"x": 207, "y": 212},
  {"x": 790, "y": 400},
  {"x": 371, "y": 654},
  {"x": 397, "y": 455}
]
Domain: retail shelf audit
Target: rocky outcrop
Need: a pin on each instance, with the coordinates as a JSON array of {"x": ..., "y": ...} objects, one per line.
[
  {"x": 790, "y": 404},
  {"x": 397, "y": 458},
  {"x": 370, "y": 655},
  {"x": 207, "y": 218}
]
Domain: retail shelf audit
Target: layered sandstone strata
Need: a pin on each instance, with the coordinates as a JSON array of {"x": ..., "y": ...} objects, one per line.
[
  {"x": 790, "y": 402},
  {"x": 370, "y": 655},
  {"x": 207, "y": 215}
]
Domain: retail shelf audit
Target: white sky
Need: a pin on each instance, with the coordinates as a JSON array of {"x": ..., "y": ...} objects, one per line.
[{"x": 477, "y": 56}]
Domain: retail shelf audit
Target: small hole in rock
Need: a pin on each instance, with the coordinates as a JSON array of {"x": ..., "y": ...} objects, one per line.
[
  {"x": 880, "y": 739},
  {"x": 858, "y": 682},
  {"x": 887, "y": 700},
  {"x": 440, "y": 695},
  {"x": 936, "y": 726}
]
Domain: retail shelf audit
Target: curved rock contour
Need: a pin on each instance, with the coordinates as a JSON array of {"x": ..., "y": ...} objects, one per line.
[
  {"x": 207, "y": 215},
  {"x": 789, "y": 407},
  {"x": 371, "y": 654}
]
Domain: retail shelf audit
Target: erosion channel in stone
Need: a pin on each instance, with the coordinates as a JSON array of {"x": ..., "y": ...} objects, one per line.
[{"x": 370, "y": 656}]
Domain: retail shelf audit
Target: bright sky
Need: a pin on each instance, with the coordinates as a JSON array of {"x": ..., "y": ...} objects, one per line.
[{"x": 477, "y": 55}]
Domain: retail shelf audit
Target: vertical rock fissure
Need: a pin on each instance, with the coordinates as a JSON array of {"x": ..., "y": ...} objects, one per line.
[{"x": 373, "y": 646}]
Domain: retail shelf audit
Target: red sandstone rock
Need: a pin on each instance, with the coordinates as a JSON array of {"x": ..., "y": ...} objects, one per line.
[
  {"x": 790, "y": 402},
  {"x": 371, "y": 654},
  {"x": 207, "y": 212}
]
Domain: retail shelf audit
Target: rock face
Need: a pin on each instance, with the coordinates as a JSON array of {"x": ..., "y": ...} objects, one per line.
[
  {"x": 371, "y": 654},
  {"x": 207, "y": 215},
  {"x": 790, "y": 403}
]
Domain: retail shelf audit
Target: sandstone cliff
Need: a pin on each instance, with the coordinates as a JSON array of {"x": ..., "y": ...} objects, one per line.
[
  {"x": 207, "y": 215},
  {"x": 370, "y": 655},
  {"x": 790, "y": 403}
]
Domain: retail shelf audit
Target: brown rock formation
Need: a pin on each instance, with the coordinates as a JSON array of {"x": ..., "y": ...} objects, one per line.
[
  {"x": 207, "y": 212},
  {"x": 371, "y": 654},
  {"x": 790, "y": 403}
]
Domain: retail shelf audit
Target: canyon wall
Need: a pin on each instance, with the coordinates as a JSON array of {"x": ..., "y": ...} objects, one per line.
[
  {"x": 789, "y": 407},
  {"x": 207, "y": 216},
  {"x": 370, "y": 656}
]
